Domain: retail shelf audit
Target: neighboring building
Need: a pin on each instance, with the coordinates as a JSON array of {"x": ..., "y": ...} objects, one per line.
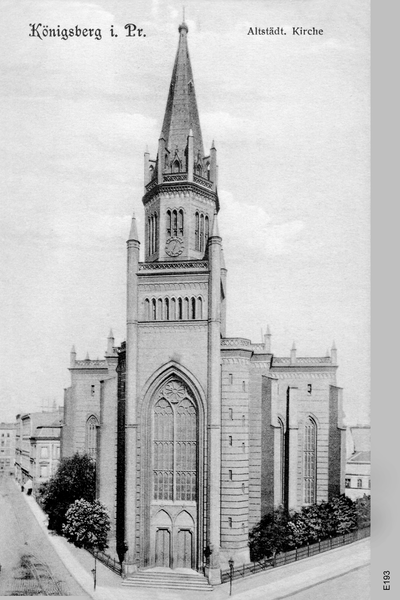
[
  {"x": 7, "y": 448},
  {"x": 37, "y": 452},
  {"x": 82, "y": 401},
  {"x": 358, "y": 465},
  {"x": 200, "y": 433}
]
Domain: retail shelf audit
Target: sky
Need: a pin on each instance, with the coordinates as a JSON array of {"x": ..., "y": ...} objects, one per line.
[{"x": 289, "y": 116}]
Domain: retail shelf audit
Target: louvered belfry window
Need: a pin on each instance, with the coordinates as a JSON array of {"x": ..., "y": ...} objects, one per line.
[{"x": 175, "y": 445}]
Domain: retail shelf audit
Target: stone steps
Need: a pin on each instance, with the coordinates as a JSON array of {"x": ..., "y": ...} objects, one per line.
[{"x": 168, "y": 579}]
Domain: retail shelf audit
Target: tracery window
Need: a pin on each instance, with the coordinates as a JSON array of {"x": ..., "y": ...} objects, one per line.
[
  {"x": 175, "y": 446},
  {"x": 91, "y": 436},
  {"x": 310, "y": 465}
]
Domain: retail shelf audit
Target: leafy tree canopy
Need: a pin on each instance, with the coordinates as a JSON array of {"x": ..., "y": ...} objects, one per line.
[
  {"x": 279, "y": 531},
  {"x": 75, "y": 479},
  {"x": 87, "y": 525}
]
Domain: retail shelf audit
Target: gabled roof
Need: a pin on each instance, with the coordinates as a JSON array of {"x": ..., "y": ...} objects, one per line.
[{"x": 360, "y": 457}]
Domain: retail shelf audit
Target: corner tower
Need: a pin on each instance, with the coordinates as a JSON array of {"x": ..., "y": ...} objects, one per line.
[{"x": 173, "y": 361}]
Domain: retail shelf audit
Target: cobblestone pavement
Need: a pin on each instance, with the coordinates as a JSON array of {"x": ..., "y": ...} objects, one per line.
[{"x": 29, "y": 565}]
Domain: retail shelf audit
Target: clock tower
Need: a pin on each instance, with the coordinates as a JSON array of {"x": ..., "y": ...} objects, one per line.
[
  {"x": 175, "y": 320},
  {"x": 180, "y": 195}
]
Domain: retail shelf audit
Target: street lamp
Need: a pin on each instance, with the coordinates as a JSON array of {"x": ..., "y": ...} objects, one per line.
[{"x": 231, "y": 563}]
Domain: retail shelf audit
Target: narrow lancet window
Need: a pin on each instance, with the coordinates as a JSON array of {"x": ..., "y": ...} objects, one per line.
[{"x": 310, "y": 455}]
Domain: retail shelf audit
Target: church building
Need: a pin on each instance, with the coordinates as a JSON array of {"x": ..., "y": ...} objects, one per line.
[{"x": 197, "y": 434}]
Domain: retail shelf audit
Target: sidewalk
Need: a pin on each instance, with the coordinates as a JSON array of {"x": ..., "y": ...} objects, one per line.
[{"x": 274, "y": 584}]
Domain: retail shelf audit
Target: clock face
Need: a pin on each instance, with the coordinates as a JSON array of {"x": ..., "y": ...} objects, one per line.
[{"x": 174, "y": 246}]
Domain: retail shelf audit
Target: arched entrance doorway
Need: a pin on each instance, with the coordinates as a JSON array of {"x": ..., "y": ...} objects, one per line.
[{"x": 173, "y": 476}]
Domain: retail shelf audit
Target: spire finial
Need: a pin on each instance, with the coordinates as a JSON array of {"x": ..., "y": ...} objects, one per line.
[{"x": 133, "y": 234}]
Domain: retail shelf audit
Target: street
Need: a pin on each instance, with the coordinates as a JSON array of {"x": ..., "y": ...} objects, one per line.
[{"x": 29, "y": 565}]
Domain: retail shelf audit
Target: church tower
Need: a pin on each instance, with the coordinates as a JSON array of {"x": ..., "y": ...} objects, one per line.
[{"x": 173, "y": 351}]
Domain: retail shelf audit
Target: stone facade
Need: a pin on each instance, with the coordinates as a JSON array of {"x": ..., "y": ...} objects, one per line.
[
  {"x": 200, "y": 434},
  {"x": 37, "y": 448},
  {"x": 7, "y": 448},
  {"x": 358, "y": 464},
  {"x": 80, "y": 430}
]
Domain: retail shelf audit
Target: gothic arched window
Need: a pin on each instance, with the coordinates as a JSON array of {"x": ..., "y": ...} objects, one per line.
[
  {"x": 310, "y": 461},
  {"x": 174, "y": 223},
  {"x": 166, "y": 309},
  {"x": 176, "y": 166},
  {"x": 281, "y": 458},
  {"x": 196, "y": 232},
  {"x": 201, "y": 233},
  {"x": 155, "y": 232},
  {"x": 180, "y": 222},
  {"x": 168, "y": 223},
  {"x": 91, "y": 436},
  {"x": 180, "y": 309},
  {"x": 175, "y": 446},
  {"x": 206, "y": 230},
  {"x": 186, "y": 310},
  {"x": 199, "y": 311},
  {"x": 163, "y": 442},
  {"x": 153, "y": 309},
  {"x": 160, "y": 309},
  {"x": 173, "y": 309},
  {"x": 193, "y": 308}
]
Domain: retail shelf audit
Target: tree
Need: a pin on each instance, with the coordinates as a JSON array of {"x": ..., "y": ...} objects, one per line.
[
  {"x": 75, "y": 479},
  {"x": 363, "y": 509},
  {"x": 87, "y": 525}
]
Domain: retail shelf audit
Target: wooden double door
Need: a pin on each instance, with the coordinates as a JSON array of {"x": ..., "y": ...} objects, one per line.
[{"x": 174, "y": 541}]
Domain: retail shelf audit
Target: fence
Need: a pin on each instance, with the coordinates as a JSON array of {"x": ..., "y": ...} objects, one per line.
[
  {"x": 284, "y": 558},
  {"x": 111, "y": 563}
]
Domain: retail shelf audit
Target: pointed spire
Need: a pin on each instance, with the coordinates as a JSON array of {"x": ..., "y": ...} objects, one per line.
[
  {"x": 334, "y": 354},
  {"x": 223, "y": 265},
  {"x": 87, "y": 356},
  {"x": 293, "y": 354},
  {"x": 110, "y": 344},
  {"x": 133, "y": 234},
  {"x": 267, "y": 340},
  {"x": 181, "y": 113},
  {"x": 72, "y": 357},
  {"x": 215, "y": 229}
]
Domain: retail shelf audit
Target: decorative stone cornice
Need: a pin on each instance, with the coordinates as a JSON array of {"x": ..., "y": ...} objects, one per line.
[
  {"x": 165, "y": 287},
  {"x": 174, "y": 325},
  {"x": 193, "y": 265},
  {"x": 303, "y": 361},
  {"x": 90, "y": 364},
  {"x": 184, "y": 188},
  {"x": 236, "y": 343},
  {"x": 292, "y": 374},
  {"x": 235, "y": 360}
]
